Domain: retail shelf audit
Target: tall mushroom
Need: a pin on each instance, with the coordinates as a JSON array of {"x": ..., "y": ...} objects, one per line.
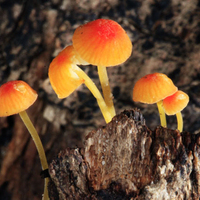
[
  {"x": 16, "y": 97},
  {"x": 153, "y": 88},
  {"x": 65, "y": 76},
  {"x": 103, "y": 42},
  {"x": 174, "y": 104}
]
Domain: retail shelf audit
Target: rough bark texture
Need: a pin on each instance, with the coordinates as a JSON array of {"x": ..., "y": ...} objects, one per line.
[
  {"x": 165, "y": 36},
  {"x": 126, "y": 160}
]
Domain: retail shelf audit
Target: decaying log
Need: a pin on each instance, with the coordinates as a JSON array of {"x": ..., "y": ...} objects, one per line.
[{"x": 126, "y": 160}]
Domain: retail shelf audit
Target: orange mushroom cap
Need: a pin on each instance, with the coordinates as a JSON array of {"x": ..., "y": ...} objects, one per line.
[
  {"x": 152, "y": 88},
  {"x": 175, "y": 103},
  {"x": 63, "y": 78},
  {"x": 15, "y": 97},
  {"x": 102, "y": 42}
]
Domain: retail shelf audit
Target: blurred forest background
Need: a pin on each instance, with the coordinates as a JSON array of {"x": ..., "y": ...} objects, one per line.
[{"x": 166, "y": 39}]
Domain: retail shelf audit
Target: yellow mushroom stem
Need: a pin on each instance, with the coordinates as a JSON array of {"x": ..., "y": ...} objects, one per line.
[
  {"x": 103, "y": 77},
  {"x": 162, "y": 114},
  {"x": 179, "y": 121},
  {"x": 93, "y": 89},
  {"x": 25, "y": 118}
]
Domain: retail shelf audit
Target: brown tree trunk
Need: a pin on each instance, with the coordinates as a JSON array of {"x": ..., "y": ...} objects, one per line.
[{"x": 126, "y": 160}]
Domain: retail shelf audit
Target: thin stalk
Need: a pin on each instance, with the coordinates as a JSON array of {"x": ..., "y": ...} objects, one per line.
[
  {"x": 162, "y": 114},
  {"x": 46, "y": 194},
  {"x": 179, "y": 121},
  {"x": 25, "y": 118},
  {"x": 94, "y": 90},
  {"x": 103, "y": 77}
]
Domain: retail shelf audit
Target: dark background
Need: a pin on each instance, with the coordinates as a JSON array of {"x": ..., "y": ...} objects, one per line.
[{"x": 166, "y": 39}]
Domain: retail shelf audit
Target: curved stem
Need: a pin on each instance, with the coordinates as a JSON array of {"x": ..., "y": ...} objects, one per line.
[
  {"x": 103, "y": 77},
  {"x": 162, "y": 114},
  {"x": 38, "y": 145},
  {"x": 179, "y": 121},
  {"x": 93, "y": 89}
]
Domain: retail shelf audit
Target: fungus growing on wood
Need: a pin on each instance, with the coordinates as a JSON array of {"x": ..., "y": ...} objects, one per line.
[
  {"x": 174, "y": 104},
  {"x": 153, "y": 88},
  {"x": 15, "y": 98},
  {"x": 65, "y": 76},
  {"x": 103, "y": 42}
]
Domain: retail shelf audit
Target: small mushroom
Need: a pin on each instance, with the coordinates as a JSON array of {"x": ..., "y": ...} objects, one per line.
[
  {"x": 174, "y": 104},
  {"x": 62, "y": 74},
  {"x": 103, "y": 42},
  {"x": 16, "y": 97},
  {"x": 153, "y": 88},
  {"x": 65, "y": 76}
]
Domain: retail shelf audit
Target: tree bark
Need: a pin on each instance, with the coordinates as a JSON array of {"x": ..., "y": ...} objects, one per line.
[{"x": 127, "y": 160}]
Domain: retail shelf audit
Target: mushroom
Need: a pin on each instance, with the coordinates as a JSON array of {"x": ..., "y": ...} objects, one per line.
[
  {"x": 65, "y": 76},
  {"x": 153, "y": 88},
  {"x": 16, "y": 97},
  {"x": 174, "y": 104},
  {"x": 103, "y": 42}
]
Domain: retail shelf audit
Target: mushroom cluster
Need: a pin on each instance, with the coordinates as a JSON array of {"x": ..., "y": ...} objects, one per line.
[
  {"x": 104, "y": 43},
  {"x": 101, "y": 42},
  {"x": 158, "y": 88}
]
